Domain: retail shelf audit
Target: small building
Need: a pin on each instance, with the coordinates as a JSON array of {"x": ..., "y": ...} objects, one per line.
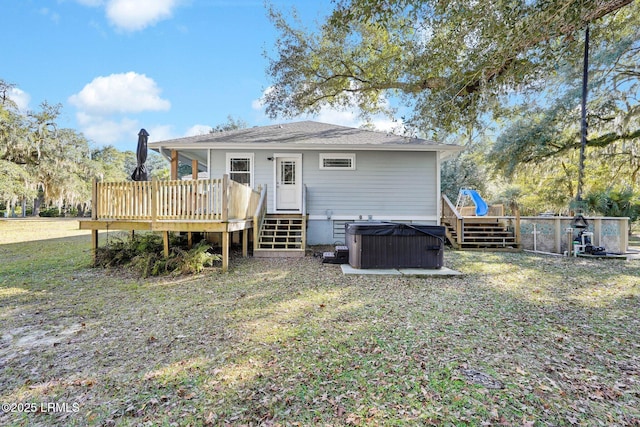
[
  {"x": 322, "y": 174},
  {"x": 283, "y": 186}
]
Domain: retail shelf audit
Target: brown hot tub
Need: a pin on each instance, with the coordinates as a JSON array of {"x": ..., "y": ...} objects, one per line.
[{"x": 394, "y": 245}]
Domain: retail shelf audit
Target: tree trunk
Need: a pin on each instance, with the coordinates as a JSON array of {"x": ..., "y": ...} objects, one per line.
[{"x": 37, "y": 202}]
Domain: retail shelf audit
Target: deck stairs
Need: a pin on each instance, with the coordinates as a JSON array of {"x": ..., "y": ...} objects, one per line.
[
  {"x": 483, "y": 233},
  {"x": 281, "y": 235}
]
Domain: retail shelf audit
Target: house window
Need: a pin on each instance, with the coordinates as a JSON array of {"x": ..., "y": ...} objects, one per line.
[
  {"x": 288, "y": 172},
  {"x": 240, "y": 168},
  {"x": 337, "y": 161}
]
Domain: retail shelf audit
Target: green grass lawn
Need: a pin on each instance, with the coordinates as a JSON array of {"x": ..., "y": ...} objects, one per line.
[{"x": 295, "y": 342}]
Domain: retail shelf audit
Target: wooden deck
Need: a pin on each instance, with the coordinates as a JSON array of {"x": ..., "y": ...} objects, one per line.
[
  {"x": 469, "y": 232},
  {"x": 204, "y": 205}
]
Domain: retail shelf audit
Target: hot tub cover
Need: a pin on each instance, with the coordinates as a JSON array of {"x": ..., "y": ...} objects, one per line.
[{"x": 380, "y": 228}]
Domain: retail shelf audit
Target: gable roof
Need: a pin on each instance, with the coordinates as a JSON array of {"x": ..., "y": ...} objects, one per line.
[{"x": 306, "y": 135}]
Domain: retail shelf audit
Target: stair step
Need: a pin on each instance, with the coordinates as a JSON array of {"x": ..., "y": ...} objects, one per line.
[
  {"x": 483, "y": 234},
  {"x": 281, "y": 236},
  {"x": 279, "y": 253}
]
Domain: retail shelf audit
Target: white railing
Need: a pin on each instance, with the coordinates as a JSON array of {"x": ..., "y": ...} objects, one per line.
[{"x": 201, "y": 199}]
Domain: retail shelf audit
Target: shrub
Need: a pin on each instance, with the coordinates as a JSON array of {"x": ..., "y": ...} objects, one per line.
[
  {"x": 144, "y": 254},
  {"x": 624, "y": 203},
  {"x": 50, "y": 213}
]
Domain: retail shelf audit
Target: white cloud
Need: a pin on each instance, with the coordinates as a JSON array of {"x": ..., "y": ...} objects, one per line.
[
  {"x": 107, "y": 131},
  {"x": 134, "y": 15},
  {"x": 137, "y": 15},
  {"x": 91, "y": 3},
  {"x": 161, "y": 133},
  {"x": 55, "y": 17},
  {"x": 380, "y": 123},
  {"x": 350, "y": 118},
  {"x": 198, "y": 130},
  {"x": 257, "y": 104},
  {"x": 120, "y": 93},
  {"x": 104, "y": 106},
  {"x": 21, "y": 98},
  {"x": 337, "y": 117}
]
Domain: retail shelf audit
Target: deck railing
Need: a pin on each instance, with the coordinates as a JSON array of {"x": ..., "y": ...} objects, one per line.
[
  {"x": 196, "y": 200},
  {"x": 456, "y": 220},
  {"x": 453, "y": 218},
  {"x": 122, "y": 200},
  {"x": 258, "y": 216},
  {"x": 492, "y": 210},
  {"x": 200, "y": 199}
]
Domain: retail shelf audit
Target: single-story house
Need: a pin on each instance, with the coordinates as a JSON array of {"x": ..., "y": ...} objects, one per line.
[{"x": 323, "y": 173}]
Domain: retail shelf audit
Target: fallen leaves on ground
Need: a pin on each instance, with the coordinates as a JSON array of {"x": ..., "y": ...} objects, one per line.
[{"x": 281, "y": 342}]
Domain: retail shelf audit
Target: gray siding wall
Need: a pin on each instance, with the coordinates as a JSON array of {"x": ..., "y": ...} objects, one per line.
[{"x": 384, "y": 183}]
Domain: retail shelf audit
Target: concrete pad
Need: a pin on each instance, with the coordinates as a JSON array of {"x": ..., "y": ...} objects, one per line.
[
  {"x": 442, "y": 272},
  {"x": 424, "y": 272},
  {"x": 347, "y": 269}
]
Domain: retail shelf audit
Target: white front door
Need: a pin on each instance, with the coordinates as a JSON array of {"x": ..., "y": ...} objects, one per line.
[{"x": 288, "y": 183}]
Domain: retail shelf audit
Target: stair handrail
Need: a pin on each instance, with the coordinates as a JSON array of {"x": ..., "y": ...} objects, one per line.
[
  {"x": 258, "y": 216},
  {"x": 303, "y": 243},
  {"x": 455, "y": 219}
]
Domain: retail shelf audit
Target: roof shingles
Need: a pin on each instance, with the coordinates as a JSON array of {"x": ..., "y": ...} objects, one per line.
[{"x": 305, "y": 133}]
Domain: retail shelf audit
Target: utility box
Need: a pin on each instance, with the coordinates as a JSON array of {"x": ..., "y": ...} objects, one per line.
[{"x": 394, "y": 245}]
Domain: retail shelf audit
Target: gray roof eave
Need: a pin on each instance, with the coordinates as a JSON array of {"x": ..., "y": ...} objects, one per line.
[{"x": 306, "y": 147}]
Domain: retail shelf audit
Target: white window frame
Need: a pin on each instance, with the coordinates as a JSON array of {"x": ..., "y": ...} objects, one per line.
[
  {"x": 243, "y": 156},
  {"x": 350, "y": 156}
]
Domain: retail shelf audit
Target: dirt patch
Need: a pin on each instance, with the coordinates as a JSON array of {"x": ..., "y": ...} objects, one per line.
[{"x": 25, "y": 339}]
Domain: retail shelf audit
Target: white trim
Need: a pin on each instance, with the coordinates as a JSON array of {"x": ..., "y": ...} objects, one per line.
[
  {"x": 375, "y": 217},
  {"x": 255, "y": 146},
  {"x": 350, "y": 156},
  {"x": 250, "y": 156},
  {"x": 298, "y": 157}
]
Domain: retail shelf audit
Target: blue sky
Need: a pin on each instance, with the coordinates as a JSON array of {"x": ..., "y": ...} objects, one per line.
[{"x": 174, "y": 67}]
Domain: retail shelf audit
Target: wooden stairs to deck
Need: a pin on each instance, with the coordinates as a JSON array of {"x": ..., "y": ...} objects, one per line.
[
  {"x": 281, "y": 236},
  {"x": 484, "y": 233}
]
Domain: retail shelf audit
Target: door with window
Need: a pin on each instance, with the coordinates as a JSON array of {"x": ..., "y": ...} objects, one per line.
[{"x": 288, "y": 180}]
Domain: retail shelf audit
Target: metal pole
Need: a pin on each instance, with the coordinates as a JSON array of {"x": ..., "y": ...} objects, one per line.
[{"x": 583, "y": 133}]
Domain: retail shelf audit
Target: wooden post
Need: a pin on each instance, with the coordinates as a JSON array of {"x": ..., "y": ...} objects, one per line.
[
  {"x": 194, "y": 188},
  {"x": 597, "y": 232},
  {"x": 624, "y": 234},
  {"x": 155, "y": 200},
  {"x": 94, "y": 244},
  {"x": 225, "y": 198},
  {"x": 174, "y": 165},
  {"x": 303, "y": 243},
  {"x": 517, "y": 227},
  {"x": 256, "y": 234},
  {"x": 165, "y": 239},
  {"x": 94, "y": 216},
  {"x": 194, "y": 169},
  {"x": 225, "y": 251},
  {"x": 245, "y": 243},
  {"x": 94, "y": 199},
  {"x": 256, "y": 220},
  {"x": 189, "y": 240}
]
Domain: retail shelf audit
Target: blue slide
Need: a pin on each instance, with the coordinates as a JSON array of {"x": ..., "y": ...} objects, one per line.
[{"x": 481, "y": 205}]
